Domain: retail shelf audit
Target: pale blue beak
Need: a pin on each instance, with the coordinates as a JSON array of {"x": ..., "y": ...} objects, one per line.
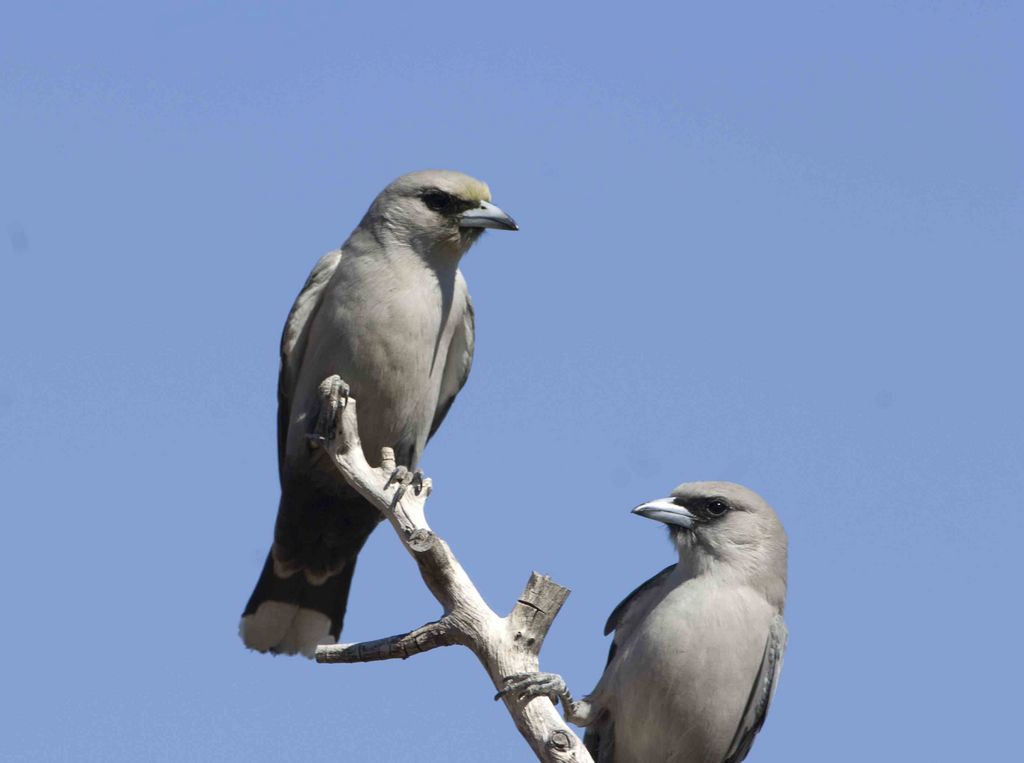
[
  {"x": 668, "y": 511},
  {"x": 487, "y": 215}
]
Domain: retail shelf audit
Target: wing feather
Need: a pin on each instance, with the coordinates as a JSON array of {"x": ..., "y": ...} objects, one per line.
[
  {"x": 294, "y": 339},
  {"x": 619, "y": 612},
  {"x": 458, "y": 363},
  {"x": 761, "y": 693},
  {"x": 599, "y": 738}
]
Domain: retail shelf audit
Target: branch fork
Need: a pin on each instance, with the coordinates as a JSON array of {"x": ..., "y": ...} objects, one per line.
[{"x": 506, "y": 646}]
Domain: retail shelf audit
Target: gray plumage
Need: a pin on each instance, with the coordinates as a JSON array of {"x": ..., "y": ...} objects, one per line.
[
  {"x": 390, "y": 313},
  {"x": 698, "y": 648}
]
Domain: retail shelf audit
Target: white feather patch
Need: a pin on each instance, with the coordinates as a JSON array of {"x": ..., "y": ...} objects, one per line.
[
  {"x": 264, "y": 628},
  {"x": 285, "y": 628},
  {"x": 309, "y": 629}
]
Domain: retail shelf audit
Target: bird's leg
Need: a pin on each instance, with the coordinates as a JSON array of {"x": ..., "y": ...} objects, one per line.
[
  {"x": 527, "y": 686},
  {"x": 334, "y": 394}
]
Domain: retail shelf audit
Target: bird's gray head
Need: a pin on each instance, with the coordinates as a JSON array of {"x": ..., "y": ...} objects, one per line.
[
  {"x": 439, "y": 213},
  {"x": 725, "y": 528}
]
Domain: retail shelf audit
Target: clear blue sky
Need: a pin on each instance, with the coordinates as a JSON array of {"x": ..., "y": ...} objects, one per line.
[{"x": 778, "y": 246}]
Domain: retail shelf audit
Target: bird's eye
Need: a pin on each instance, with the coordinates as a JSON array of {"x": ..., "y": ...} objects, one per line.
[
  {"x": 717, "y": 507},
  {"x": 439, "y": 201}
]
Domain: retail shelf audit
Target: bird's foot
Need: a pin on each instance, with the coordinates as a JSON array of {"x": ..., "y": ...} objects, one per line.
[
  {"x": 334, "y": 394},
  {"x": 404, "y": 478},
  {"x": 527, "y": 686}
]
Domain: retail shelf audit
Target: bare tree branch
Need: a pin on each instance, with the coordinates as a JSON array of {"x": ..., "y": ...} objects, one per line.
[
  {"x": 505, "y": 646},
  {"x": 423, "y": 639}
]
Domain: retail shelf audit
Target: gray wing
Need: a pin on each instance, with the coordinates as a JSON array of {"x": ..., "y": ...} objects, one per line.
[
  {"x": 617, "y": 614},
  {"x": 460, "y": 360},
  {"x": 762, "y": 692},
  {"x": 599, "y": 738},
  {"x": 294, "y": 339}
]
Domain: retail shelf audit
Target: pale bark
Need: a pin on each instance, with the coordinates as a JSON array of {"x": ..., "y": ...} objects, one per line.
[{"x": 504, "y": 645}]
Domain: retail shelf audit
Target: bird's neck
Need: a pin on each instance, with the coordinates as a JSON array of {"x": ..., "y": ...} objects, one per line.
[
  {"x": 395, "y": 249},
  {"x": 695, "y": 561},
  {"x": 445, "y": 253}
]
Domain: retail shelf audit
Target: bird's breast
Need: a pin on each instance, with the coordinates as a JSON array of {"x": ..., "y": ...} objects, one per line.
[
  {"x": 682, "y": 674},
  {"x": 387, "y": 335}
]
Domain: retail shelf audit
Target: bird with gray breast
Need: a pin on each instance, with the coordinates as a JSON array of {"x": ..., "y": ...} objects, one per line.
[
  {"x": 388, "y": 313},
  {"x": 698, "y": 648}
]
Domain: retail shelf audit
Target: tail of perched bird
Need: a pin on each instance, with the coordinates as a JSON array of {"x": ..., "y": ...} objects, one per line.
[
  {"x": 292, "y": 615},
  {"x": 300, "y": 599}
]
